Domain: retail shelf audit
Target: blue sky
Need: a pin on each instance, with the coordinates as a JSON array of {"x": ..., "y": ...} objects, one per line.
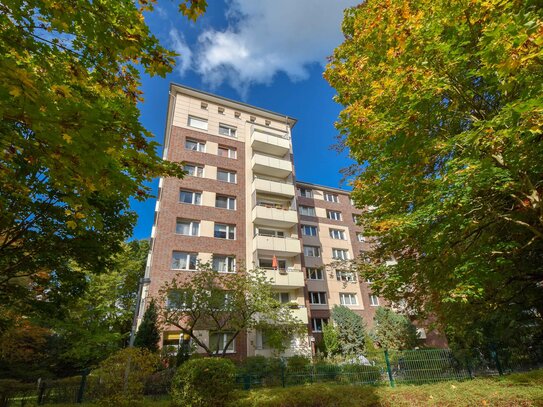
[{"x": 270, "y": 54}]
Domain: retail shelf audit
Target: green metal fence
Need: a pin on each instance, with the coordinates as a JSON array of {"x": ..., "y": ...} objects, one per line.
[{"x": 386, "y": 368}]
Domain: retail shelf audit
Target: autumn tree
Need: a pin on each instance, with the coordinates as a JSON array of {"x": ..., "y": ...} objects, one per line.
[
  {"x": 73, "y": 151},
  {"x": 226, "y": 304},
  {"x": 443, "y": 114},
  {"x": 392, "y": 330}
]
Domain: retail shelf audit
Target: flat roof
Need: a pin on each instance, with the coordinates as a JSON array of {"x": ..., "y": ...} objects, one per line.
[
  {"x": 343, "y": 191},
  {"x": 232, "y": 103}
]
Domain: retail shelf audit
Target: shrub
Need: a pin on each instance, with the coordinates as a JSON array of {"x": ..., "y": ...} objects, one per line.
[
  {"x": 356, "y": 373},
  {"x": 204, "y": 382},
  {"x": 261, "y": 370},
  {"x": 298, "y": 362},
  {"x": 123, "y": 376},
  {"x": 159, "y": 383}
]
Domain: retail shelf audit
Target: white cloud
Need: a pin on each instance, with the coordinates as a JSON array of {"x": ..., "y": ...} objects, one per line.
[
  {"x": 267, "y": 37},
  {"x": 179, "y": 45}
]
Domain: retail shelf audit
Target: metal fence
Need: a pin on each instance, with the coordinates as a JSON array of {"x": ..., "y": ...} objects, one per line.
[{"x": 389, "y": 368}]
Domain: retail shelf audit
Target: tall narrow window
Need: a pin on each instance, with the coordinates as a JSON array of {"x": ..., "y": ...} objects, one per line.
[{"x": 374, "y": 300}]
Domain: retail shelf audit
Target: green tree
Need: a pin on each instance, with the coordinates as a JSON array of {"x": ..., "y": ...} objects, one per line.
[
  {"x": 226, "y": 303},
  {"x": 392, "y": 330},
  {"x": 350, "y": 331},
  {"x": 148, "y": 336},
  {"x": 72, "y": 149},
  {"x": 443, "y": 114},
  {"x": 330, "y": 338}
]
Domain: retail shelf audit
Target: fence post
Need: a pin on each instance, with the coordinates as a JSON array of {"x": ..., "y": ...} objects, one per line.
[
  {"x": 82, "y": 386},
  {"x": 41, "y": 392},
  {"x": 283, "y": 374},
  {"x": 496, "y": 359},
  {"x": 389, "y": 370}
]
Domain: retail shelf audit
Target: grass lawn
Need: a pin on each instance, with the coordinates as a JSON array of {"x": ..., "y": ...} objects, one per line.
[{"x": 523, "y": 390}]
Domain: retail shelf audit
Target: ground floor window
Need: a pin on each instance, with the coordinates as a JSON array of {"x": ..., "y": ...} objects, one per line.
[{"x": 219, "y": 340}]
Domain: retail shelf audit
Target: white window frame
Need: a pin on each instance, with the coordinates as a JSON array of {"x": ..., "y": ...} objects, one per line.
[
  {"x": 192, "y": 224},
  {"x": 314, "y": 273},
  {"x": 196, "y": 170},
  {"x": 346, "y": 276},
  {"x": 191, "y": 260},
  {"x": 338, "y": 234},
  {"x": 333, "y": 215},
  {"x": 317, "y": 298},
  {"x": 200, "y": 146},
  {"x": 306, "y": 192},
  {"x": 307, "y": 210},
  {"x": 330, "y": 197},
  {"x": 181, "y": 306},
  {"x": 314, "y": 325},
  {"x": 316, "y": 250},
  {"x": 230, "y": 152},
  {"x": 229, "y": 201},
  {"x": 311, "y": 228},
  {"x": 343, "y": 256},
  {"x": 374, "y": 300},
  {"x": 360, "y": 237},
  {"x": 231, "y": 176},
  {"x": 348, "y": 299},
  {"x": 226, "y": 130},
  {"x": 356, "y": 218},
  {"x": 196, "y": 197},
  {"x": 230, "y": 230},
  {"x": 225, "y": 339},
  {"x": 229, "y": 262},
  {"x": 197, "y": 123},
  {"x": 282, "y": 297}
]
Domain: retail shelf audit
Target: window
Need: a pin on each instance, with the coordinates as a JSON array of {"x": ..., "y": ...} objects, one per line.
[
  {"x": 330, "y": 197},
  {"x": 270, "y": 232},
  {"x": 356, "y": 219},
  {"x": 227, "y": 131},
  {"x": 314, "y": 274},
  {"x": 317, "y": 297},
  {"x": 352, "y": 201},
  {"x": 334, "y": 215},
  {"x": 342, "y": 275},
  {"x": 195, "y": 145},
  {"x": 187, "y": 227},
  {"x": 224, "y": 264},
  {"x": 198, "y": 123},
  {"x": 374, "y": 300},
  {"x": 337, "y": 234},
  {"x": 225, "y": 231},
  {"x": 348, "y": 299},
  {"x": 227, "y": 152},
  {"x": 218, "y": 342},
  {"x": 283, "y": 298},
  {"x": 268, "y": 264},
  {"x": 226, "y": 176},
  {"x": 184, "y": 261},
  {"x": 190, "y": 197},
  {"x": 226, "y": 202},
  {"x": 307, "y": 210},
  {"x": 312, "y": 251},
  {"x": 318, "y": 323},
  {"x": 194, "y": 170},
  {"x": 340, "y": 254},
  {"x": 178, "y": 299},
  {"x": 307, "y": 193},
  {"x": 308, "y": 230},
  {"x": 360, "y": 237}
]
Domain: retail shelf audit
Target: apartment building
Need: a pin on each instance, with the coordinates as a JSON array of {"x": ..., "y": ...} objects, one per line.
[{"x": 240, "y": 206}]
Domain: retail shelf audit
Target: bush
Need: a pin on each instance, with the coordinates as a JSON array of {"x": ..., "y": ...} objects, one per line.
[
  {"x": 261, "y": 371},
  {"x": 123, "y": 375},
  {"x": 298, "y": 362},
  {"x": 356, "y": 373},
  {"x": 159, "y": 383},
  {"x": 204, "y": 382}
]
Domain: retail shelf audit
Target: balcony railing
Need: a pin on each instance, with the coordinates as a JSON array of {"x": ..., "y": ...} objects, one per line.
[
  {"x": 272, "y": 179},
  {"x": 282, "y": 270},
  {"x": 272, "y": 235},
  {"x": 276, "y": 206},
  {"x": 270, "y": 132}
]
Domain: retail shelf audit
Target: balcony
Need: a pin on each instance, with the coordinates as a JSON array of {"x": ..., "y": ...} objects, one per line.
[
  {"x": 269, "y": 140},
  {"x": 266, "y": 186},
  {"x": 285, "y": 278},
  {"x": 274, "y": 216},
  {"x": 270, "y": 245},
  {"x": 301, "y": 314},
  {"x": 272, "y": 166}
]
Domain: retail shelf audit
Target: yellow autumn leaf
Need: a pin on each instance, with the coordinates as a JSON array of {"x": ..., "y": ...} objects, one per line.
[
  {"x": 15, "y": 92},
  {"x": 71, "y": 224},
  {"x": 67, "y": 138},
  {"x": 79, "y": 215}
]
